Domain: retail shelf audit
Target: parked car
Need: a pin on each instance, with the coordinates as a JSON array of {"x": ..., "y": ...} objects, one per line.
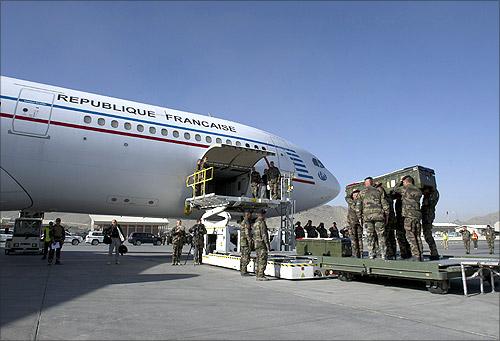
[
  {"x": 4, "y": 235},
  {"x": 138, "y": 238},
  {"x": 94, "y": 237},
  {"x": 73, "y": 238}
]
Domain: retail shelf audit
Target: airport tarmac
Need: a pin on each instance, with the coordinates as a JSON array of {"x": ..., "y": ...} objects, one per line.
[{"x": 146, "y": 298}]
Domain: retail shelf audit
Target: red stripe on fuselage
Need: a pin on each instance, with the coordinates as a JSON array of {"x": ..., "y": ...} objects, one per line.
[{"x": 117, "y": 132}]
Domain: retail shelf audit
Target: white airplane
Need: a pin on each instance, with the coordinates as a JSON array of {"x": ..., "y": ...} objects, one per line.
[{"x": 71, "y": 151}]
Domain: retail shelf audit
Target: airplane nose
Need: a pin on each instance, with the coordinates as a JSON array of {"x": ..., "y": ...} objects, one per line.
[{"x": 333, "y": 186}]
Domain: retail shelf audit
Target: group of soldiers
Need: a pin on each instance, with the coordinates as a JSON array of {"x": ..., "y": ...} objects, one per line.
[
  {"x": 372, "y": 209},
  {"x": 195, "y": 238},
  {"x": 254, "y": 234},
  {"x": 489, "y": 233},
  {"x": 271, "y": 178}
]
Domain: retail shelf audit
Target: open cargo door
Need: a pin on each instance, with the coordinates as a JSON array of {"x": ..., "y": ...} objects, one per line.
[{"x": 232, "y": 167}]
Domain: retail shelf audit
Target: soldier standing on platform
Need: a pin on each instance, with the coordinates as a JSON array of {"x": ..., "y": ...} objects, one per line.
[
  {"x": 273, "y": 179},
  {"x": 431, "y": 198},
  {"x": 355, "y": 228},
  {"x": 255, "y": 181}
]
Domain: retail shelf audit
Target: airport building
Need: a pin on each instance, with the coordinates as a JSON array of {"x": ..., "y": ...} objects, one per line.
[{"x": 130, "y": 224}]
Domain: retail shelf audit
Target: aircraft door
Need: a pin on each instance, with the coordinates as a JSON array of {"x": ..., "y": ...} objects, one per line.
[
  {"x": 283, "y": 160},
  {"x": 33, "y": 112}
]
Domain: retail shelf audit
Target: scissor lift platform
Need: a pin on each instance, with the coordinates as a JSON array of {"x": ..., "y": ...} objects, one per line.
[{"x": 232, "y": 203}]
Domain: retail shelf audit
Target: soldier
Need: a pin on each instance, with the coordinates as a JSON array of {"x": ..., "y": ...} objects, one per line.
[
  {"x": 466, "y": 239},
  {"x": 323, "y": 233},
  {"x": 255, "y": 181},
  {"x": 410, "y": 196},
  {"x": 311, "y": 230},
  {"x": 245, "y": 242},
  {"x": 299, "y": 231},
  {"x": 262, "y": 245},
  {"x": 334, "y": 231},
  {"x": 178, "y": 235},
  {"x": 374, "y": 210},
  {"x": 404, "y": 246},
  {"x": 198, "y": 231},
  {"x": 490, "y": 238},
  {"x": 355, "y": 228},
  {"x": 390, "y": 226},
  {"x": 273, "y": 179},
  {"x": 431, "y": 198}
]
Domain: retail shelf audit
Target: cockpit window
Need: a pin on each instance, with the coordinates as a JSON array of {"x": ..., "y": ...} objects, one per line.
[{"x": 318, "y": 163}]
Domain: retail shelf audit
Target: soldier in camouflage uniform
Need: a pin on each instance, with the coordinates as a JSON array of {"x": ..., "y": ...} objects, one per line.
[
  {"x": 198, "y": 231},
  {"x": 355, "y": 228},
  {"x": 466, "y": 238},
  {"x": 178, "y": 235},
  {"x": 390, "y": 226},
  {"x": 255, "y": 181},
  {"x": 410, "y": 196},
  {"x": 374, "y": 210},
  {"x": 273, "y": 180},
  {"x": 490, "y": 238},
  {"x": 404, "y": 246},
  {"x": 245, "y": 242},
  {"x": 262, "y": 245},
  {"x": 431, "y": 198}
]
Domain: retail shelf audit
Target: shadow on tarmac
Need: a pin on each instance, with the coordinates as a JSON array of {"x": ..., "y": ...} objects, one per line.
[{"x": 28, "y": 285}]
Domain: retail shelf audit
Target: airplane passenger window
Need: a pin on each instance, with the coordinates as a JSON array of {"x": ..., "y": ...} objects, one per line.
[
  {"x": 238, "y": 143},
  {"x": 176, "y": 133},
  {"x": 247, "y": 145},
  {"x": 127, "y": 126},
  {"x": 197, "y": 137},
  {"x": 229, "y": 142},
  {"x": 140, "y": 127},
  {"x": 87, "y": 119},
  {"x": 152, "y": 130},
  {"x": 263, "y": 148},
  {"x": 218, "y": 140},
  {"x": 208, "y": 139},
  {"x": 114, "y": 124},
  {"x": 256, "y": 147},
  {"x": 187, "y": 136},
  {"x": 164, "y": 132},
  {"x": 101, "y": 121}
]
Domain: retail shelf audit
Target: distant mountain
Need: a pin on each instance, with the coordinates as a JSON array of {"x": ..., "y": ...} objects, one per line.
[{"x": 490, "y": 219}]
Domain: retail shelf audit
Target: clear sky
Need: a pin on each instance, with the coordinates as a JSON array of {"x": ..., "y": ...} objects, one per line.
[{"x": 369, "y": 87}]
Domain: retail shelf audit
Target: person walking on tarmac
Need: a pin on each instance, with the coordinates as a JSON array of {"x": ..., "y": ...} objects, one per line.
[
  {"x": 374, "y": 210},
  {"x": 475, "y": 237},
  {"x": 410, "y": 196},
  {"x": 262, "y": 245},
  {"x": 245, "y": 242},
  {"x": 114, "y": 231},
  {"x": 445, "y": 240},
  {"x": 466, "y": 239},
  {"x": 273, "y": 179},
  {"x": 57, "y": 236},
  {"x": 429, "y": 202},
  {"x": 198, "y": 231},
  {"x": 47, "y": 230},
  {"x": 255, "y": 181},
  {"x": 490, "y": 238},
  {"x": 178, "y": 235}
]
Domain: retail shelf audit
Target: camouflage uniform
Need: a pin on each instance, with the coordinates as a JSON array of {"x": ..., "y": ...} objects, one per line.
[
  {"x": 273, "y": 179},
  {"x": 262, "y": 246},
  {"x": 490, "y": 239},
  {"x": 255, "y": 183},
  {"x": 428, "y": 214},
  {"x": 373, "y": 208},
  {"x": 198, "y": 231},
  {"x": 466, "y": 239},
  {"x": 410, "y": 196},
  {"x": 178, "y": 235},
  {"x": 355, "y": 228},
  {"x": 404, "y": 246},
  {"x": 390, "y": 229},
  {"x": 245, "y": 244}
]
